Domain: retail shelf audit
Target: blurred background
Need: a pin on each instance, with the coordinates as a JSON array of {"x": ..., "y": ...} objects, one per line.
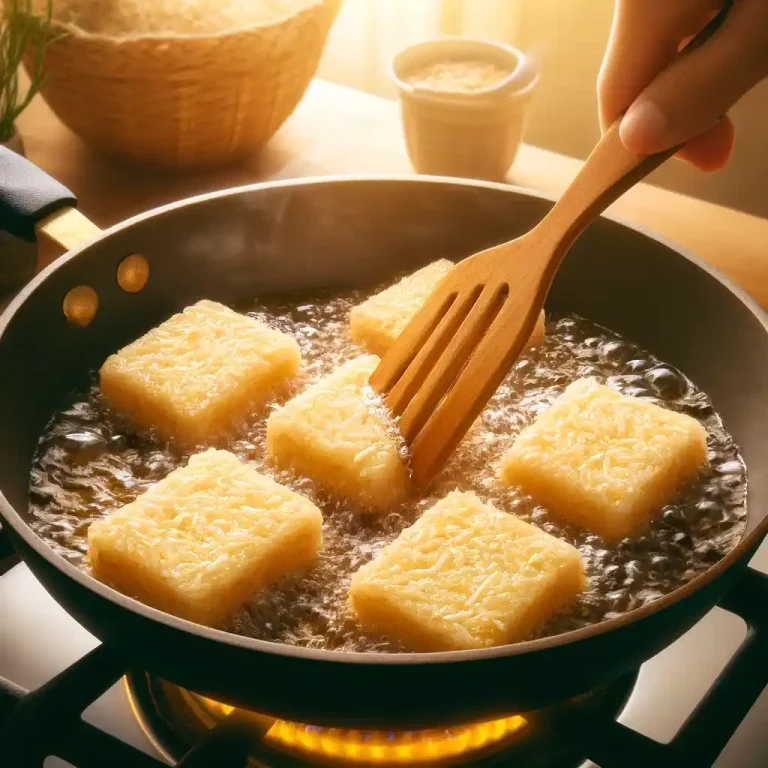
[{"x": 568, "y": 38}]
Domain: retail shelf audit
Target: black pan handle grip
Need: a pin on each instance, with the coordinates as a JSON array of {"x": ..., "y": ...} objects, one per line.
[{"x": 27, "y": 195}]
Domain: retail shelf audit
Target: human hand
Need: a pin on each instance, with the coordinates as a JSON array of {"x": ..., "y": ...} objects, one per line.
[{"x": 685, "y": 101}]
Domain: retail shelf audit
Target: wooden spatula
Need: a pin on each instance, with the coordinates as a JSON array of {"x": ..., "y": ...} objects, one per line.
[{"x": 441, "y": 371}]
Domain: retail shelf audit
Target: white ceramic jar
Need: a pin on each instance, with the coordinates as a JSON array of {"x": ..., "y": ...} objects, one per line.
[{"x": 463, "y": 104}]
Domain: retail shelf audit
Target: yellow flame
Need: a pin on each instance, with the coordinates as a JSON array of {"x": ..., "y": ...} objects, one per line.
[{"x": 379, "y": 747}]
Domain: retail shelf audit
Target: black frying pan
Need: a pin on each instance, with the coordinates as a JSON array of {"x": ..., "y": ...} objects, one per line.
[{"x": 305, "y": 235}]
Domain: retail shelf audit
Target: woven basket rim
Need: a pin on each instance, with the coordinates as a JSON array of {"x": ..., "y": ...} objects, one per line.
[{"x": 73, "y": 31}]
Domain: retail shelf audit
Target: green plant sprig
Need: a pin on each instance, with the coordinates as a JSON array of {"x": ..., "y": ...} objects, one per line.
[{"x": 21, "y": 28}]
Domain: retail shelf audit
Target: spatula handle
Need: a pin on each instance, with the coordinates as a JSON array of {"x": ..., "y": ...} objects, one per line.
[{"x": 609, "y": 171}]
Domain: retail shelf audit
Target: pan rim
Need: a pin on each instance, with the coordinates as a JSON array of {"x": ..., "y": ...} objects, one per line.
[{"x": 34, "y": 541}]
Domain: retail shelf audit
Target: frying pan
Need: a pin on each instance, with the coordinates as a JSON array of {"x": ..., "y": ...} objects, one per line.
[{"x": 279, "y": 237}]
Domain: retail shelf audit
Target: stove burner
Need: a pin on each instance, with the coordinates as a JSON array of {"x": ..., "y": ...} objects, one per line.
[
  {"x": 375, "y": 747},
  {"x": 176, "y": 719},
  {"x": 556, "y": 738}
]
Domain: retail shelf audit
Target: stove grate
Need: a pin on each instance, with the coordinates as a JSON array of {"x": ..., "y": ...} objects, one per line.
[{"x": 594, "y": 736}]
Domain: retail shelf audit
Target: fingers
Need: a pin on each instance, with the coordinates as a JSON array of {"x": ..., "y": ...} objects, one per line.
[
  {"x": 644, "y": 39},
  {"x": 711, "y": 150},
  {"x": 690, "y": 96}
]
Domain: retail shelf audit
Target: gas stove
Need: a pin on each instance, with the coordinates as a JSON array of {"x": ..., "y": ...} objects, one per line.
[{"x": 701, "y": 702}]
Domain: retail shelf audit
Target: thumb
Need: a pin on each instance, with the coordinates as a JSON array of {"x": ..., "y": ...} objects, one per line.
[{"x": 697, "y": 89}]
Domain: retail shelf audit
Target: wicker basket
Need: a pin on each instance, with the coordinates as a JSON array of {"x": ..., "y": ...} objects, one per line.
[{"x": 188, "y": 101}]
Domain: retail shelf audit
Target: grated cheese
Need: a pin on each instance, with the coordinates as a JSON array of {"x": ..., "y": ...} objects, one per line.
[
  {"x": 462, "y": 76},
  {"x": 196, "y": 374},
  {"x": 466, "y": 576},
  {"x": 605, "y": 461},
  {"x": 332, "y": 434},
  {"x": 200, "y": 542},
  {"x": 379, "y": 320}
]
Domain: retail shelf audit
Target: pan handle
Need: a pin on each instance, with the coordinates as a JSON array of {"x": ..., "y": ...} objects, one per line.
[{"x": 34, "y": 204}]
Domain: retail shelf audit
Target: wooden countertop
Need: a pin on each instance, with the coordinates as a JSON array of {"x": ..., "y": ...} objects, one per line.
[{"x": 336, "y": 130}]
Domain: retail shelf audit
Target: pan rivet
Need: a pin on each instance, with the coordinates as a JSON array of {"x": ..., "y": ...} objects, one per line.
[
  {"x": 80, "y": 305},
  {"x": 133, "y": 273}
]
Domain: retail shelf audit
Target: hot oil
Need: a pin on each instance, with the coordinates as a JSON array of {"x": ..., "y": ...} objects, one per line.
[{"x": 88, "y": 463}]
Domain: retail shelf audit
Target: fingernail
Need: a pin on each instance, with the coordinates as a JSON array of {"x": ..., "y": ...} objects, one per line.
[{"x": 643, "y": 128}]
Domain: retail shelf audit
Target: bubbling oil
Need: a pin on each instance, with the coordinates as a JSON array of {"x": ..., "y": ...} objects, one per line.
[{"x": 89, "y": 463}]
